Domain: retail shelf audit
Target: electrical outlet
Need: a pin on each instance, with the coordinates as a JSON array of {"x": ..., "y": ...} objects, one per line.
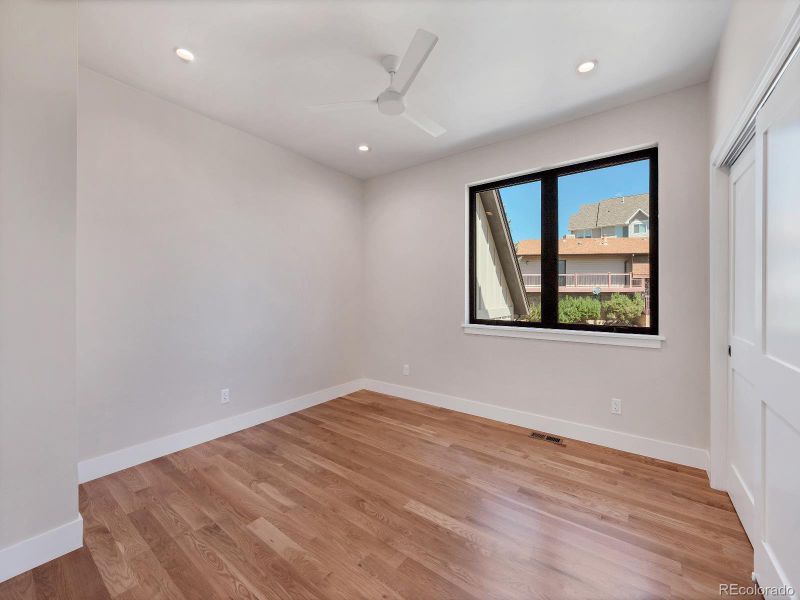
[
  {"x": 225, "y": 396},
  {"x": 616, "y": 406},
  {"x": 406, "y": 370}
]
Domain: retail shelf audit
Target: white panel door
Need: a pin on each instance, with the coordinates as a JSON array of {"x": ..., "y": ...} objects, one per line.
[
  {"x": 744, "y": 407},
  {"x": 772, "y": 364}
]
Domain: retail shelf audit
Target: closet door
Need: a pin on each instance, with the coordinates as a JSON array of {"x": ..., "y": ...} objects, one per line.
[
  {"x": 773, "y": 362},
  {"x": 744, "y": 408}
]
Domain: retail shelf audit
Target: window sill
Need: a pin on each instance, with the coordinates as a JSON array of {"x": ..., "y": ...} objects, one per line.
[{"x": 559, "y": 335}]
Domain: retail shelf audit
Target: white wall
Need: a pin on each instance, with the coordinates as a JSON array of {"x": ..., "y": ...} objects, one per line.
[
  {"x": 207, "y": 259},
  {"x": 38, "y": 477},
  {"x": 415, "y": 253},
  {"x": 751, "y": 34}
]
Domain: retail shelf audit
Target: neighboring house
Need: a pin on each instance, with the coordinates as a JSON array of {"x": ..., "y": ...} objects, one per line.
[
  {"x": 626, "y": 216},
  {"x": 500, "y": 291},
  {"x": 599, "y": 266}
]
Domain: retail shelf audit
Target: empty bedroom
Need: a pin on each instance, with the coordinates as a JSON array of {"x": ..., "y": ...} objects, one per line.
[{"x": 399, "y": 299}]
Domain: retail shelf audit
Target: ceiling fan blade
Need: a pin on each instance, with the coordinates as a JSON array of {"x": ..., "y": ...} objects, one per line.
[
  {"x": 342, "y": 105},
  {"x": 427, "y": 125},
  {"x": 418, "y": 51}
]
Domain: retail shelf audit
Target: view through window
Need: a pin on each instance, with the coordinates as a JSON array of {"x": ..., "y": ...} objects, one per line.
[{"x": 568, "y": 248}]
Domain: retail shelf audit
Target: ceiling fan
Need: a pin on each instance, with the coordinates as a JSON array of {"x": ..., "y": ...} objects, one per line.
[{"x": 391, "y": 101}]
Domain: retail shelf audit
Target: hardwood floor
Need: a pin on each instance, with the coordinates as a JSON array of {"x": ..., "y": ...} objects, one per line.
[{"x": 370, "y": 496}]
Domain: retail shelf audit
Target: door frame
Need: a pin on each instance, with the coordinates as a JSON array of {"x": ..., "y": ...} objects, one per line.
[{"x": 722, "y": 156}]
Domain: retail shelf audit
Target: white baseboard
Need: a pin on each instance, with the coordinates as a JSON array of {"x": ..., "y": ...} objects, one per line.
[
  {"x": 39, "y": 549},
  {"x": 677, "y": 453},
  {"x": 118, "y": 460},
  {"x": 92, "y": 468}
]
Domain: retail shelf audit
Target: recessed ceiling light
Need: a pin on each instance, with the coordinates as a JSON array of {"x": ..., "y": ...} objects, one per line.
[
  {"x": 363, "y": 148},
  {"x": 184, "y": 54},
  {"x": 587, "y": 67}
]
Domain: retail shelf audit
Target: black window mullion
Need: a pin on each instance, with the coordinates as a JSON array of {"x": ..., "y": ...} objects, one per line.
[
  {"x": 473, "y": 206},
  {"x": 653, "y": 235},
  {"x": 549, "y": 249}
]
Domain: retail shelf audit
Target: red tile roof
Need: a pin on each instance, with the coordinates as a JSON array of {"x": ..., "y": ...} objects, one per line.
[{"x": 591, "y": 246}]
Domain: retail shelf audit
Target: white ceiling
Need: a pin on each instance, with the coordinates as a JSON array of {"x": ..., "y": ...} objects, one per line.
[{"x": 500, "y": 68}]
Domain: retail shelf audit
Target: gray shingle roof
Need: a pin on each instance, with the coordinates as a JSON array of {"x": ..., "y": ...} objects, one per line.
[{"x": 612, "y": 211}]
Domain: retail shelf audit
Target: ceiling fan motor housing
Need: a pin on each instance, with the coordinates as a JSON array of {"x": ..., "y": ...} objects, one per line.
[{"x": 391, "y": 102}]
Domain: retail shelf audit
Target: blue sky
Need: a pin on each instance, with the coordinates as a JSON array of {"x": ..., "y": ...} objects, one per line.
[{"x": 523, "y": 207}]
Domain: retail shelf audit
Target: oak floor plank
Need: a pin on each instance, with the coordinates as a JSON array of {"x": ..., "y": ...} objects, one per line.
[
  {"x": 153, "y": 580},
  {"x": 21, "y": 587},
  {"x": 81, "y": 576},
  {"x": 188, "y": 579},
  {"x": 113, "y": 568},
  {"x": 50, "y": 581}
]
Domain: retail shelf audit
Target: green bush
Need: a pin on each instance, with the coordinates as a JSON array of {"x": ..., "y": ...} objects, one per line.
[
  {"x": 578, "y": 309},
  {"x": 535, "y": 313},
  {"x": 623, "y": 310}
]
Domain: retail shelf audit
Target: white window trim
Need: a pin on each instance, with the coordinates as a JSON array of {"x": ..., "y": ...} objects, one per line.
[{"x": 607, "y": 338}]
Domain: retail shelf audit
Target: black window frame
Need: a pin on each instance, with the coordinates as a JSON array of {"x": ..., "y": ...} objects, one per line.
[{"x": 549, "y": 242}]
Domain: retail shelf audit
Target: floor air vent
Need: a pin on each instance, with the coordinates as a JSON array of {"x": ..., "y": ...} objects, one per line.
[{"x": 546, "y": 437}]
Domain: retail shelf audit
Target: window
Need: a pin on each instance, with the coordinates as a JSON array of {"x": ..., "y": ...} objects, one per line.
[{"x": 573, "y": 247}]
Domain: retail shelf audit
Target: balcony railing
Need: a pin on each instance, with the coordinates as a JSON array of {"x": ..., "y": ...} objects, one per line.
[{"x": 588, "y": 282}]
